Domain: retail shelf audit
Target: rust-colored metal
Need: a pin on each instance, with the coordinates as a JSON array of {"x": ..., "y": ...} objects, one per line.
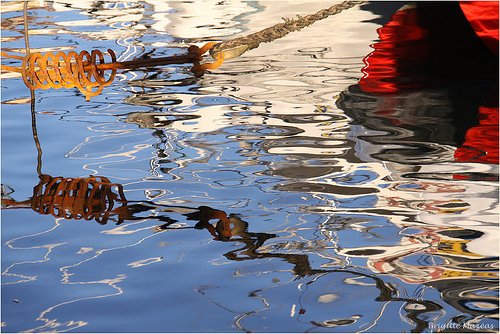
[
  {"x": 221, "y": 230},
  {"x": 89, "y": 72},
  {"x": 82, "y": 74},
  {"x": 75, "y": 198}
]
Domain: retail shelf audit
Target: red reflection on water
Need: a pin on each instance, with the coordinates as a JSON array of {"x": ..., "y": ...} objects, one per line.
[
  {"x": 411, "y": 46},
  {"x": 481, "y": 141},
  {"x": 401, "y": 40},
  {"x": 483, "y": 17},
  {"x": 418, "y": 50}
]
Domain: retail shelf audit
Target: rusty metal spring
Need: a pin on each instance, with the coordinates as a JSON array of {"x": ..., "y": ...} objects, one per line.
[
  {"x": 67, "y": 70},
  {"x": 76, "y": 198},
  {"x": 87, "y": 71}
]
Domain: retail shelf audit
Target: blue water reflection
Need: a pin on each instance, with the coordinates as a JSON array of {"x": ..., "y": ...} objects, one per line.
[{"x": 276, "y": 193}]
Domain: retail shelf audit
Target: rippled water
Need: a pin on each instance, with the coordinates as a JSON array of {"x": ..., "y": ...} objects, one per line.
[{"x": 269, "y": 195}]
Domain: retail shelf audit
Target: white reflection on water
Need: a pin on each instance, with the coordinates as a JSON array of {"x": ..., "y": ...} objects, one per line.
[{"x": 324, "y": 228}]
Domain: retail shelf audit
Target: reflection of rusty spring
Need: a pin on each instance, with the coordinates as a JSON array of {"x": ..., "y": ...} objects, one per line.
[
  {"x": 86, "y": 71},
  {"x": 76, "y": 198}
]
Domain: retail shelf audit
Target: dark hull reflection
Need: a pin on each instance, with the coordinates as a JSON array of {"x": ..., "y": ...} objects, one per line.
[
  {"x": 417, "y": 131},
  {"x": 431, "y": 86}
]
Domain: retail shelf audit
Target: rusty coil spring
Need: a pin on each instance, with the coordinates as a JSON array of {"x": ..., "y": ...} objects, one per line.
[
  {"x": 86, "y": 71},
  {"x": 76, "y": 198},
  {"x": 67, "y": 70}
]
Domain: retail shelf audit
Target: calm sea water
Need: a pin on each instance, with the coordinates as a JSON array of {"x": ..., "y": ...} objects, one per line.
[{"x": 269, "y": 195}]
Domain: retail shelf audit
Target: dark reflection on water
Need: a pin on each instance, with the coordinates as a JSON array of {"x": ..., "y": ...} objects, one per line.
[
  {"x": 272, "y": 195},
  {"x": 472, "y": 176},
  {"x": 432, "y": 98}
]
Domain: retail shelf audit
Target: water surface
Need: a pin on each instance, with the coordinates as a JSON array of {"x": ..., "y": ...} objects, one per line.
[{"x": 270, "y": 195}]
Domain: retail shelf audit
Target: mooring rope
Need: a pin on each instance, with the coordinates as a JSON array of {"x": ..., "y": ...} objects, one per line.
[
  {"x": 86, "y": 70},
  {"x": 237, "y": 46}
]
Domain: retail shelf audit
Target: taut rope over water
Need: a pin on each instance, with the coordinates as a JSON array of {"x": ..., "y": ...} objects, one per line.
[{"x": 237, "y": 46}]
